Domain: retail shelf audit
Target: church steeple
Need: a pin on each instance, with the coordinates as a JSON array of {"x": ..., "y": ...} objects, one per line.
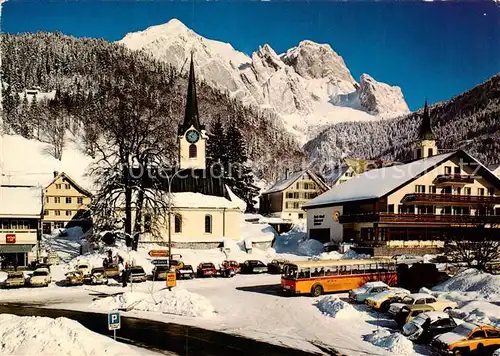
[
  {"x": 191, "y": 116},
  {"x": 426, "y": 132},
  {"x": 426, "y": 146}
]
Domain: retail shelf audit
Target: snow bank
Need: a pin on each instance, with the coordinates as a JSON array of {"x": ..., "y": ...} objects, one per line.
[
  {"x": 395, "y": 342},
  {"x": 47, "y": 336},
  {"x": 3, "y": 276},
  {"x": 65, "y": 242},
  {"x": 295, "y": 241},
  {"x": 353, "y": 255},
  {"x": 479, "y": 312},
  {"x": 487, "y": 286},
  {"x": 337, "y": 308},
  {"x": 179, "y": 302}
]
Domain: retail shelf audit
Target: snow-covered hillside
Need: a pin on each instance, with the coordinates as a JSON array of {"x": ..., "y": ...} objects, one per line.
[{"x": 309, "y": 85}]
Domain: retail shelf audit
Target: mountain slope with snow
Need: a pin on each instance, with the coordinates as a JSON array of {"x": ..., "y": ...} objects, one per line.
[{"x": 308, "y": 86}]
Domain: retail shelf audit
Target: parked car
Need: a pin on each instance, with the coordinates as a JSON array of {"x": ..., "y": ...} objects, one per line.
[
  {"x": 160, "y": 272},
  {"x": 74, "y": 278},
  {"x": 137, "y": 274},
  {"x": 382, "y": 301},
  {"x": 112, "y": 271},
  {"x": 367, "y": 290},
  {"x": 186, "y": 272},
  {"x": 229, "y": 268},
  {"x": 276, "y": 265},
  {"x": 253, "y": 266},
  {"x": 422, "y": 298},
  {"x": 206, "y": 269},
  {"x": 425, "y": 326},
  {"x": 407, "y": 259},
  {"x": 85, "y": 268},
  {"x": 40, "y": 278},
  {"x": 409, "y": 312},
  {"x": 467, "y": 338},
  {"x": 177, "y": 264},
  {"x": 98, "y": 276},
  {"x": 496, "y": 353},
  {"x": 15, "y": 279}
]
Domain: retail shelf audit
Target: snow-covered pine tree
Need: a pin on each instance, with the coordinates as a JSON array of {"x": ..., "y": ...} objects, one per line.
[{"x": 216, "y": 153}]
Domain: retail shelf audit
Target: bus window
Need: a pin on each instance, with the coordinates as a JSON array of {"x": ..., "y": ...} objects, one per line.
[
  {"x": 304, "y": 273},
  {"x": 331, "y": 271},
  {"x": 290, "y": 271},
  {"x": 345, "y": 270},
  {"x": 358, "y": 269}
]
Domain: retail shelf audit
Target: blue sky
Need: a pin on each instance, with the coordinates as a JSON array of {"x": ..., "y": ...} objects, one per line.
[{"x": 429, "y": 49}]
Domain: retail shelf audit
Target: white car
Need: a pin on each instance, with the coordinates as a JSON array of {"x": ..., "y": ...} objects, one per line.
[
  {"x": 40, "y": 278},
  {"x": 496, "y": 353},
  {"x": 367, "y": 290},
  {"x": 407, "y": 259},
  {"x": 85, "y": 268},
  {"x": 423, "y": 299}
]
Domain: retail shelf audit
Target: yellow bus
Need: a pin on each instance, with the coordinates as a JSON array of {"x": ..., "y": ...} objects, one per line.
[{"x": 324, "y": 276}]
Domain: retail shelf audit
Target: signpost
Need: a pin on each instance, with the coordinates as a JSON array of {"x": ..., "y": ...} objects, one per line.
[
  {"x": 114, "y": 322},
  {"x": 159, "y": 262},
  {"x": 10, "y": 238},
  {"x": 171, "y": 280},
  {"x": 158, "y": 253}
]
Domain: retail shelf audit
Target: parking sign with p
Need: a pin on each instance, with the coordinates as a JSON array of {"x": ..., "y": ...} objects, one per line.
[{"x": 114, "y": 320}]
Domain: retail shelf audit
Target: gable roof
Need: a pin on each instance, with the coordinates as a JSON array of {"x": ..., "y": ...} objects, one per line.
[
  {"x": 72, "y": 181},
  {"x": 283, "y": 184},
  {"x": 380, "y": 182}
]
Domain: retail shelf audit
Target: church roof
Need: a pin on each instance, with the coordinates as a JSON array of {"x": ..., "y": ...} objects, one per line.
[
  {"x": 191, "y": 115},
  {"x": 426, "y": 132}
]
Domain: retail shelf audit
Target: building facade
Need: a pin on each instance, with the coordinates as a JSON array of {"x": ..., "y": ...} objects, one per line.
[
  {"x": 422, "y": 203},
  {"x": 284, "y": 200},
  {"x": 63, "y": 201},
  {"x": 20, "y": 213}
]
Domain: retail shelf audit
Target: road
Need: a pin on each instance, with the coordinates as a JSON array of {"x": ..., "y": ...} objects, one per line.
[{"x": 159, "y": 336}]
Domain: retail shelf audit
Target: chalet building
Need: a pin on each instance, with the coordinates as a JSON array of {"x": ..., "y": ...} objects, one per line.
[
  {"x": 204, "y": 210},
  {"x": 64, "y": 201},
  {"x": 435, "y": 198},
  {"x": 20, "y": 212},
  {"x": 352, "y": 167},
  {"x": 284, "y": 200}
]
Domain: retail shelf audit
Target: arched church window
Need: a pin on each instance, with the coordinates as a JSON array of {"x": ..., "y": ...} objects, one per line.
[
  {"x": 178, "y": 223},
  {"x": 208, "y": 224},
  {"x": 430, "y": 152},
  {"x": 193, "y": 151}
]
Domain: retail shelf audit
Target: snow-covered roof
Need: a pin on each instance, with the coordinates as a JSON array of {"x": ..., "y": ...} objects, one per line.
[
  {"x": 285, "y": 183},
  {"x": 197, "y": 200},
  {"x": 435, "y": 315},
  {"x": 20, "y": 201},
  {"x": 377, "y": 182}
]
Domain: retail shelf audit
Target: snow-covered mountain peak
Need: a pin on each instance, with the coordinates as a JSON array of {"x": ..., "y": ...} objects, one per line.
[{"x": 381, "y": 98}]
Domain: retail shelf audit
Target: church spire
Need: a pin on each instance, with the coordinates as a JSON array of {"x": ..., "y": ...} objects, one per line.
[
  {"x": 191, "y": 116},
  {"x": 426, "y": 132}
]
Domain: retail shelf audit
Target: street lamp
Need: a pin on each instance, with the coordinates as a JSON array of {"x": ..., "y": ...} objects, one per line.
[{"x": 170, "y": 180}]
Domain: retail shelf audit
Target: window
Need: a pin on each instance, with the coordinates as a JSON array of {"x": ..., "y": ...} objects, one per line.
[
  {"x": 457, "y": 190},
  {"x": 68, "y": 212},
  {"x": 289, "y": 195},
  {"x": 45, "y": 212},
  {"x": 430, "y": 152},
  {"x": 47, "y": 199},
  {"x": 467, "y": 190},
  {"x": 493, "y": 334},
  {"x": 420, "y": 189},
  {"x": 57, "y": 199},
  {"x": 390, "y": 208},
  {"x": 67, "y": 186},
  {"x": 457, "y": 170},
  {"x": 480, "y": 191},
  {"x": 193, "y": 151},
  {"x": 432, "y": 189},
  {"x": 178, "y": 223},
  {"x": 301, "y": 216},
  {"x": 58, "y": 186},
  {"x": 401, "y": 209},
  {"x": 208, "y": 224},
  {"x": 58, "y": 212},
  {"x": 418, "y": 153},
  {"x": 478, "y": 335},
  {"x": 420, "y": 301},
  {"x": 79, "y": 200},
  {"x": 430, "y": 300},
  {"x": 68, "y": 200},
  {"x": 447, "y": 170},
  {"x": 147, "y": 222},
  {"x": 491, "y": 191}
]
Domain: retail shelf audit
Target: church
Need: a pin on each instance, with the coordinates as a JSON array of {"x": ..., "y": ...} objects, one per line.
[{"x": 204, "y": 210}]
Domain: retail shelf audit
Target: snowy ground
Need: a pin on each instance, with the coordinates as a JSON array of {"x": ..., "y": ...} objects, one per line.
[{"x": 60, "y": 336}]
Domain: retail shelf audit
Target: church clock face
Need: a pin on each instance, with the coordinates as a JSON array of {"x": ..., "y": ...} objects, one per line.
[{"x": 192, "y": 136}]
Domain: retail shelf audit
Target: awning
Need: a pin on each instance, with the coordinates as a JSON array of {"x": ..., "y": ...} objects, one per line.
[{"x": 13, "y": 248}]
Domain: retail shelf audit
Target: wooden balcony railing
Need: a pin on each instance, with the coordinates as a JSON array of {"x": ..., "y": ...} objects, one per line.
[
  {"x": 417, "y": 198},
  {"x": 420, "y": 218},
  {"x": 454, "y": 178}
]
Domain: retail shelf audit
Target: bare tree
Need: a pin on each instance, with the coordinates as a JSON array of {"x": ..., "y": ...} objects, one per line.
[
  {"x": 475, "y": 252},
  {"x": 53, "y": 125}
]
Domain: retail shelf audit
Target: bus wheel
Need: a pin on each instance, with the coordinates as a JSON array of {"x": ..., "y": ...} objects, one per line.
[{"x": 316, "y": 290}]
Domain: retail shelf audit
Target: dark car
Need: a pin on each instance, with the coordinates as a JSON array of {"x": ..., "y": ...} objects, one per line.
[
  {"x": 160, "y": 272},
  {"x": 137, "y": 274},
  {"x": 253, "y": 266},
  {"x": 425, "y": 326},
  {"x": 206, "y": 269},
  {"x": 186, "y": 272},
  {"x": 275, "y": 266}
]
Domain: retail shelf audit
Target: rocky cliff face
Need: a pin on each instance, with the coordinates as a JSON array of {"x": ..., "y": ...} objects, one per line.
[{"x": 306, "y": 85}]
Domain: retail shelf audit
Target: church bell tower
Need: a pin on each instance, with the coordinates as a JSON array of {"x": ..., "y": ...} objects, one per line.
[
  {"x": 426, "y": 140},
  {"x": 192, "y": 135}
]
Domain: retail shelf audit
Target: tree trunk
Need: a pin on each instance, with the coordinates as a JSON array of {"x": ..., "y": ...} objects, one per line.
[{"x": 138, "y": 216}]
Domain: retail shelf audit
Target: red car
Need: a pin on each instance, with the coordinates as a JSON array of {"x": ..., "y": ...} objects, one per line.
[
  {"x": 206, "y": 269},
  {"x": 229, "y": 268}
]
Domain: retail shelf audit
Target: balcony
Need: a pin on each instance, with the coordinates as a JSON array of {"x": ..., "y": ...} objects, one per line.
[
  {"x": 453, "y": 179},
  {"x": 451, "y": 199},
  {"x": 420, "y": 218}
]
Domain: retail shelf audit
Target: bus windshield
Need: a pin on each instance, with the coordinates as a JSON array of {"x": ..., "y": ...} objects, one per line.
[{"x": 290, "y": 271}]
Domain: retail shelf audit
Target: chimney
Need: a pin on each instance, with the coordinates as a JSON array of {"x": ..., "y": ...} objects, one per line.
[
  {"x": 56, "y": 173},
  {"x": 286, "y": 173}
]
